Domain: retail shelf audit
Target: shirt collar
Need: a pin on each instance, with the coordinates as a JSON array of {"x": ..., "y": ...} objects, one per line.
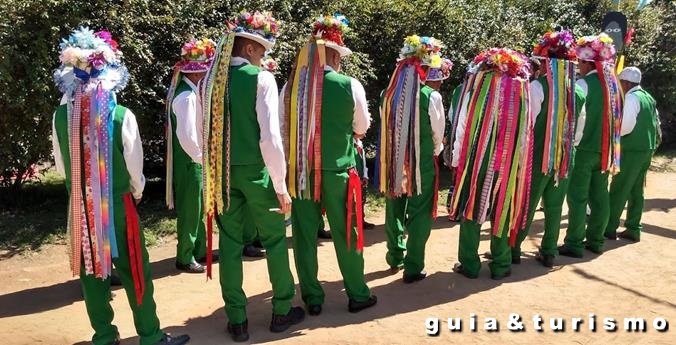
[
  {"x": 190, "y": 83},
  {"x": 238, "y": 60},
  {"x": 635, "y": 88},
  {"x": 329, "y": 68},
  {"x": 592, "y": 72}
]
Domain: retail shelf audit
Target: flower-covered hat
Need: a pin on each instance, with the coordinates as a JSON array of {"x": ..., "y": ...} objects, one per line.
[
  {"x": 196, "y": 55},
  {"x": 259, "y": 26},
  {"x": 504, "y": 60},
  {"x": 596, "y": 48},
  {"x": 441, "y": 73},
  {"x": 556, "y": 45},
  {"x": 331, "y": 29},
  {"x": 426, "y": 49},
  {"x": 87, "y": 55}
]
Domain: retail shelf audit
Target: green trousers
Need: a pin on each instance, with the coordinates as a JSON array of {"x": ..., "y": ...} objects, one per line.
[
  {"x": 627, "y": 188},
  {"x": 587, "y": 186},
  {"x": 250, "y": 232},
  {"x": 251, "y": 188},
  {"x": 544, "y": 187},
  {"x": 96, "y": 292},
  {"x": 419, "y": 224},
  {"x": 468, "y": 248},
  {"x": 189, "y": 220},
  {"x": 306, "y": 217}
]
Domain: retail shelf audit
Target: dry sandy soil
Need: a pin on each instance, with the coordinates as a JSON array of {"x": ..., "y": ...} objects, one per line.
[{"x": 41, "y": 304}]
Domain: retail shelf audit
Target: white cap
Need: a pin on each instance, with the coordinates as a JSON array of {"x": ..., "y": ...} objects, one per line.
[{"x": 631, "y": 74}]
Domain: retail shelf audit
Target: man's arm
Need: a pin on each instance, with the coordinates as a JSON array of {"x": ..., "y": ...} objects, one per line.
[
  {"x": 362, "y": 118},
  {"x": 460, "y": 132},
  {"x": 56, "y": 149},
  {"x": 579, "y": 128},
  {"x": 185, "y": 108},
  {"x": 267, "y": 112},
  {"x": 537, "y": 96},
  {"x": 630, "y": 112},
  {"x": 437, "y": 120},
  {"x": 133, "y": 154}
]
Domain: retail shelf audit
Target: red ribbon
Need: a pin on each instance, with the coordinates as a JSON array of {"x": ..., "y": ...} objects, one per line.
[
  {"x": 210, "y": 244},
  {"x": 418, "y": 66},
  {"x": 354, "y": 197},
  {"x": 435, "y": 198},
  {"x": 134, "y": 245},
  {"x": 605, "y": 134}
]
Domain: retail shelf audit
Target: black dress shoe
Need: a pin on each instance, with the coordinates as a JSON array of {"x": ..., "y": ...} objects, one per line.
[
  {"x": 314, "y": 309},
  {"x": 627, "y": 236},
  {"x": 368, "y": 226},
  {"x": 192, "y": 267},
  {"x": 115, "y": 279},
  {"x": 203, "y": 260},
  {"x": 612, "y": 237},
  {"x": 546, "y": 260},
  {"x": 252, "y": 252},
  {"x": 592, "y": 249},
  {"x": 565, "y": 251},
  {"x": 355, "y": 307},
  {"x": 169, "y": 340},
  {"x": 239, "y": 332},
  {"x": 501, "y": 276},
  {"x": 458, "y": 268},
  {"x": 324, "y": 234},
  {"x": 411, "y": 278},
  {"x": 281, "y": 323}
]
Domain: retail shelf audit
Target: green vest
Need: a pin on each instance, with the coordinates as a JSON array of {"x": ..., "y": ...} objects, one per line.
[
  {"x": 180, "y": 157},
  {"x": 455, "y": 103},
  {"x": 245, "y": 133},
  {"x": 338, "y": 152},
  {"x": 426, "y": 137},
  {"x": 593, "y": 125},
  {"x": 644, "y": 135},
  {"x": 540, "y": 126},
  {"x": 120, "y": 173}
]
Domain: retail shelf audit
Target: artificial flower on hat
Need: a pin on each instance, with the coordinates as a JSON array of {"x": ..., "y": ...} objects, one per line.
[
  {"x": 269, "y": 64},
  {"x": 331, "y": 29},
  {"x": 441, "y": 73},
  {"x": 596, "y": 48},
  {"x": 196, "y": 55},
  {"x": 87, "y": 55},
  {"x": 556, "y": 45},
  {"x": 426, "y": 49},
  {"x": 503, "y": 60},
  {"x": 260, "y": 27}
]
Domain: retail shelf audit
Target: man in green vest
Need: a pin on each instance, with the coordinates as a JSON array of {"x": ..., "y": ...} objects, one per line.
[
  {"x": 184, "y": 153},
  {"x": 640, "y": 128},
  {"x": 257, "y": 175},
  {"x": 415, "y": 212},
  {"x": 98, "y": 149},
  {"x": 588, "y": 183},
  {"x": 555, "y": 49},
  {"x": 487, "y": 186},
  {"x": 328, "y": 175}
]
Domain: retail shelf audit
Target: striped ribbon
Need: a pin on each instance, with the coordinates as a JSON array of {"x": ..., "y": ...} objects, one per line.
[
  {"x": 135, "y": 247},
  {"x": 168, "y": 132},
  {"x": 216, "y": 135},
  {"x": 497, "y": 139},
  {"x": 612, "y": 117}
]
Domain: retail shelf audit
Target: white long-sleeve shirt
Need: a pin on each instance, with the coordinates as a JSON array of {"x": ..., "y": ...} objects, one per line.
[
  {"x": 537, "y": 96},
  {"x": 189, "y": 117},
  {"x": 267, "y": 105},
  {"x": 437, "y": 121},
  {"x": 361, "y": 119},
  {"x": 579, "y": 131},
  {"x": 460, "y": 131},
  {"x": 132, "y": 153}
]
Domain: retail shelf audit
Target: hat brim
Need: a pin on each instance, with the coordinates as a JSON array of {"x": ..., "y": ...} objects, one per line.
[
  {"x": 343, "y": 51},
  {"x": 437, "y": 79},
  {"x": 256, "y": 38}
]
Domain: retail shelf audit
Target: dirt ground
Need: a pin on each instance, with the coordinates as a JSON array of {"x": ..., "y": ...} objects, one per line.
[{"x": 41, "y": 304}]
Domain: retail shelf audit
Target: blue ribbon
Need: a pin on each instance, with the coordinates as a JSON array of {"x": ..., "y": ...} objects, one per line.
[{"x": 84, "y": 76}]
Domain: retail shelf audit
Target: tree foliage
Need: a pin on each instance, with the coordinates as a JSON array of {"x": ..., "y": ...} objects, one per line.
[{"x": 151, "y": 32}]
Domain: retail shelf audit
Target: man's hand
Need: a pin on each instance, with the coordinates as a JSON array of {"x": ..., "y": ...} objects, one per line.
[
  {"x": 284, "y": 203},
  {"x": 358, "y": 136},
  {"x": 137, "y": 201},
  {"x": 364, "y": 181}
]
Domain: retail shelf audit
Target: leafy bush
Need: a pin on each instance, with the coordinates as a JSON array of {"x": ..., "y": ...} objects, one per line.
[{"x": 151, "y": 32}]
